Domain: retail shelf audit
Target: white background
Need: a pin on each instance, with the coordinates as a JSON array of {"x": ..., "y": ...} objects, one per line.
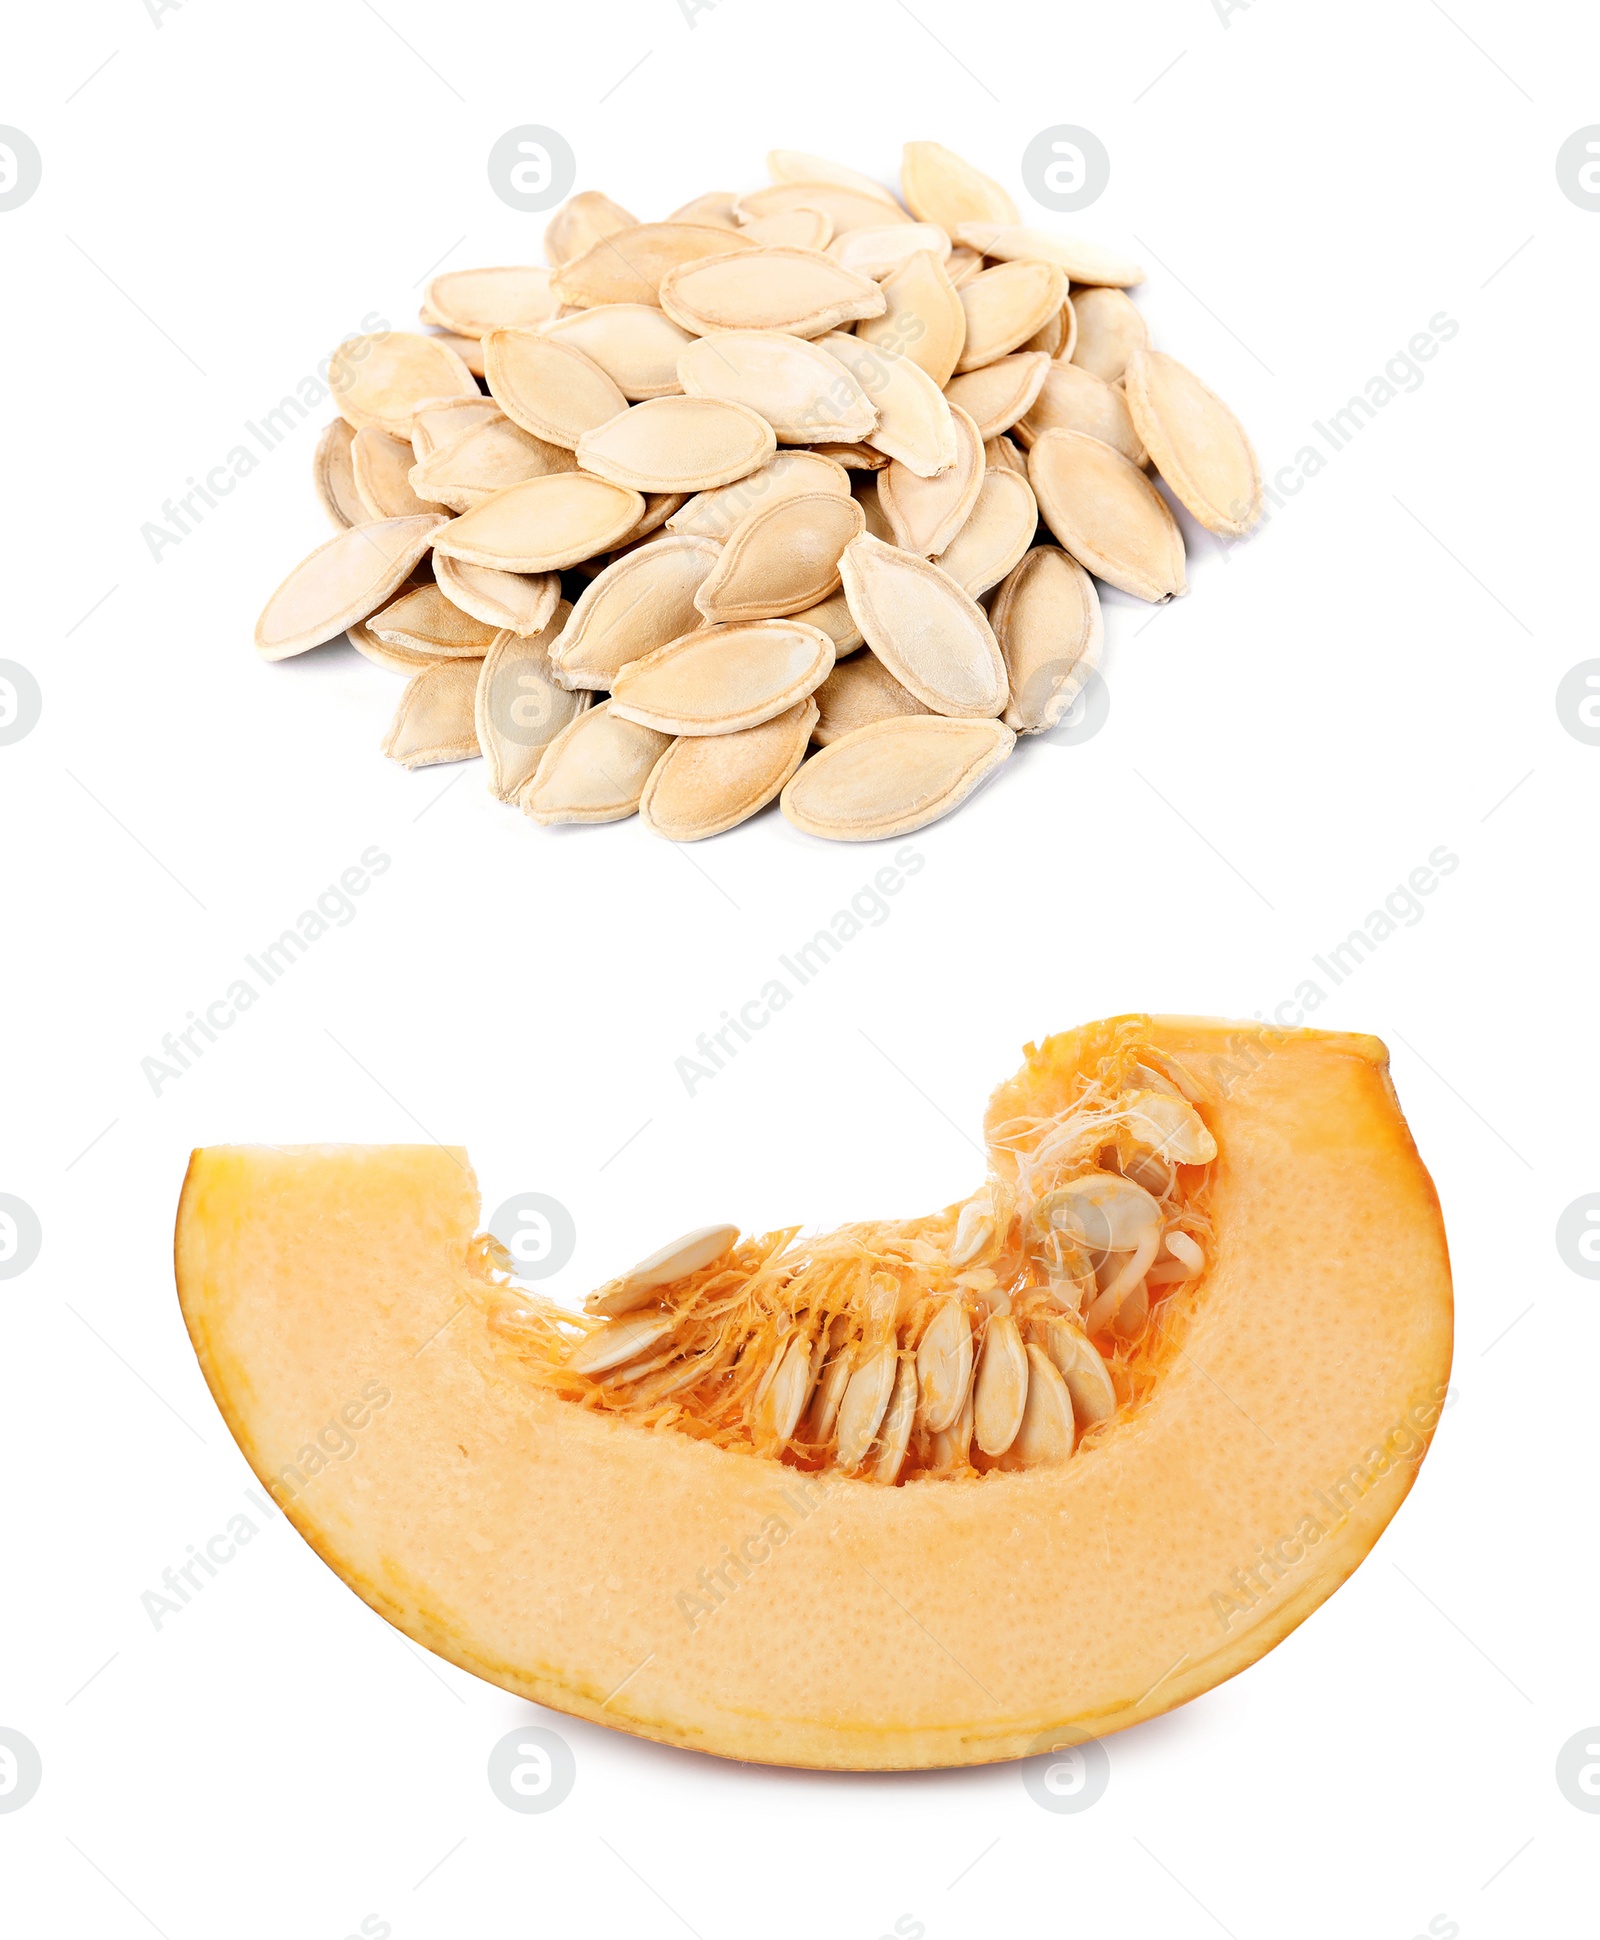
[{"x": 226, "y": 192}]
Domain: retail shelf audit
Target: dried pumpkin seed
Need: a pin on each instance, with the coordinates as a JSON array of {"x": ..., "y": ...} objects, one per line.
[
  {"x": 345, "y": 579},
  {"x": 520, "y": 706},
  {"x": 658, "y": 508},
  {"x": 853, "y": 458},
  {"x": 1046, "y": 617},
  {"x": 914, "y": 423},
  {"x": 925, "y": 514},
  {"x": 864, "y": 490},
  {"x": 1002, "y": 392},
  {"x": 678, "y": 444},
  {"x": 875, "y": 252},
  {"x": 1005, "y": 306},
  {"x": 1000, "y": 1387},
  {"x": 1084, "y": 262},
  {"x": 334, "y": 476},
  {"x": 581, "y": 222},
  {"x": 472, "y": 302},
  {"x": 707, "y": 783},
  {"x": 629, "y": 265},
  {"x": 635, "y": 344},
  {"x": 714, "y": 514},
  {"x": 486, "y": 458},
  {"x": 723, "y": 678},
  {"x": 834, "y": 617},
  {"x": 674, "y": 1261},
  {"x": 846, "y": 206},
  {"x": 923, "y": 319},
  {"x": 381, "y": 466},
  {"x": 393, "y": 659},
  {"x": 542, "y": 525},
  {"x": 940, "y": 187},
  {"x": 893, "y": 777},
  {"x": 1110, "y": 330},
  {"x": 963, "y": 264},
  {"x": 780, "y": 559},
  {"x": 794, "y": 229},
  {"x": 926, "y": 631},
  {"x": 794, "y": 290},
  {"x": 378, "y": 381},
  {"x": 1199, "y": 446},
  {"x": 594, "y": 770},
  {"x": 1000, "y": 454},
  {"x": 639, "y": 603},
  {"x": 441, "y": 420},
  {"x": 794, "y": 165},
  {"x": 1107, "y": 514},
  {"x": 855, "y": 695},
  {"x": 468, "y": 349},
  {"x": 1073, "y": 399},
  {"x": 433, "y": 722},
  {"x": 1047, "y": 1433},
  {"x": 549, "y": 386},
  {"x": 515, "y": 602},
  {"x": 714, "y": 208},
  {"x": 795, "y": 385},
  {"x": 426, "y": 621},
  {"x": 1059, "y": 336},
  {"x": 995, "y": 536}
]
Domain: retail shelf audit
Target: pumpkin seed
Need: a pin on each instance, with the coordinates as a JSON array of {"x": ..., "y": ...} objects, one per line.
[
  {"x": 707, "y": 783},
  {"x": 963, "y": 264},
  {"x": 520, "y": 707},
  {"x": 674, "y": 1261},
  {"x": 940, "y": 187},
  {"x": 893, "y": 777},
  {"x": 845, "y": 205},
  {"x": 377, "y": 381},
  {"x": 925, "y": 514},
  {"x": 441, "y": 420},
  {"x": 549, "y": 386},
  {"x": 852, "y": 458},
  {"x": 923, "y": 319},
  {"x": 618, "y": 1341},
  {"x": 345, "y": 579},
  {"x": 630, "y": 265},
  {"x": 1089, "y": 1383},
  {"x": 795, "y": 385},
  {"x": 944, "y": 1366},
  {"x": 1172, "y": 1129},
  {"x": 724, "y": 678},
  {"x": 894, "y": 1435},
  {"x": 472, "y": 302},
  {"x": 790, "y": 1389},
  {"x": 1107, "y": 514},
  {"x": 926, "y": 631},
  {"x": 1058, "y": 337},
  {"x": 425, "y": 620},
  {"x": 914, "y": 423},
  {"x": 857, "y": 694},
  {"x": 1110, "y": 330},
  {"x": 864, "y": 490},
  {"x": 1073, "y": 399},
  {"x": 834, "y": 617},
  {"x": 1084, "y": 262},
  {"x": 1005, "y": 306},
  {"x": 787, "y": 474},
  {"x": 581, "y": 222},
  {"x": 794, "y": 229},
  {"x": 1199, "y": 446},
  {"x": 1002, "y": 392},
  {"x": 594, "y": 770},
  {"x": 793, "y": 165},
  {"x": 866, "y": 1400},
  {"x": 781, "y": 558},
  {"x": 635, "y": 344},
  {"x": 989, "y": 545},
  {"x": 334, "y": 476},
  {"x": 1000, "y": 1388},
  {"x": 1102, "y": 1210},
  {"x": 715, "y": 209},
  {"x": 486, "y": 458},
  {"x": 1047, "y": 1434},
  {"x": 678, "y": 444},
  {"x": 1046, "y": 617},
  {"x": 658, "y": 508},
  {"x": 795, "y": 290},
  {"x": 381, "y": 466},
  {"x": 506, "y": 601},
  {"x": 393, "y": 659},
  {"x": 1000, "y": 454},
  {"x": 434, "y": 720},
  {"x": 468, "y": 349},
  {"x": 875, "y": 252},
  {"x": 543, "y": 524},
  {"x": 639, "y": 603}
]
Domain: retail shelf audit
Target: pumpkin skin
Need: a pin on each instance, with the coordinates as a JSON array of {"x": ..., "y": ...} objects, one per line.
[{"x": 726, "y": 1603}]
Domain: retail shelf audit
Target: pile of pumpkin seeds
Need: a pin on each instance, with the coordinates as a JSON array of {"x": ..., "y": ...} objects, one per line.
[{"x": 800, "y": 493}]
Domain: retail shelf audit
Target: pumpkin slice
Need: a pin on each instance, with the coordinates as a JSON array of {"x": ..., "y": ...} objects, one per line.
[{"x": 1268, "y": 1423}]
